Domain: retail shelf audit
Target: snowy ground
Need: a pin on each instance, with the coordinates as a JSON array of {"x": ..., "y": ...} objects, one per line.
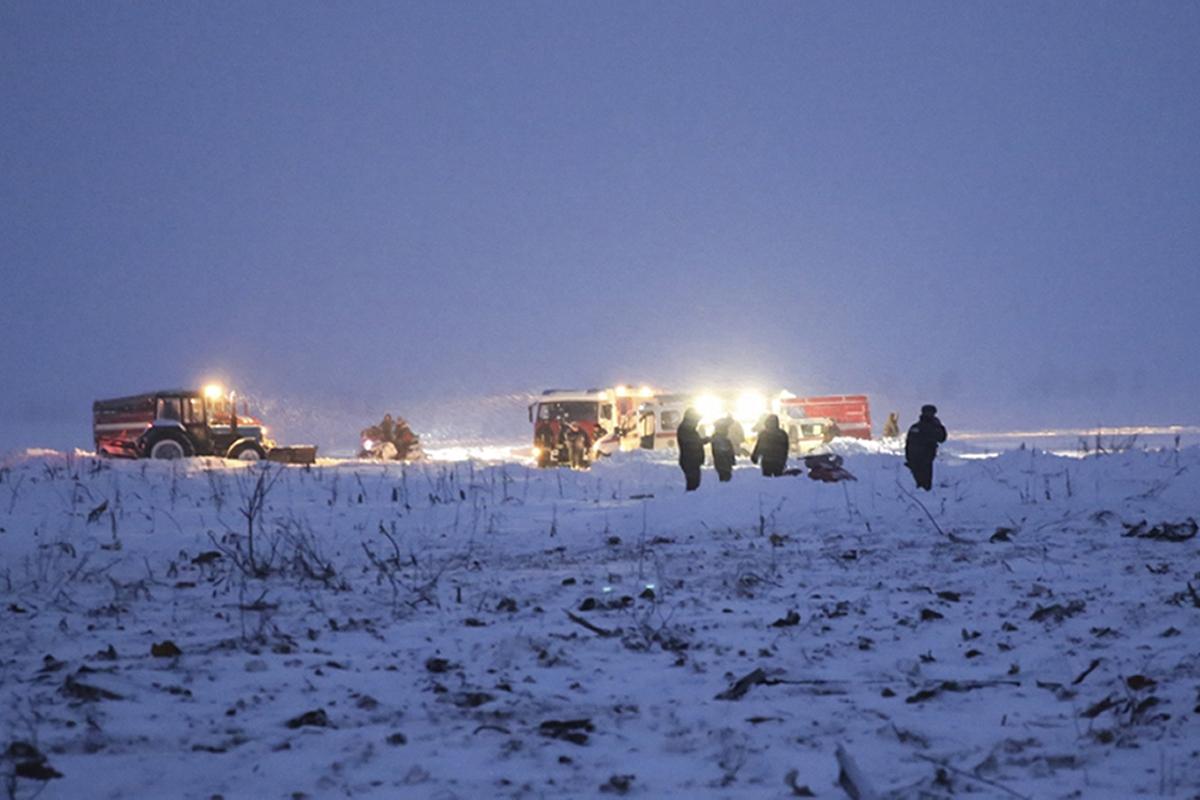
[{"x": 464, "y": 630}]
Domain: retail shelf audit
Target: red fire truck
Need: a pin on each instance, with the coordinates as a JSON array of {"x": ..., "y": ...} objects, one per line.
[
  {"x": 851, "y": 413},
  {"x": 179, "y": 423},
  {"x": 604, "y": 414}
]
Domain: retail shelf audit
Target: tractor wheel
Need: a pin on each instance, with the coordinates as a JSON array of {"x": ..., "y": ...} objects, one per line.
[
  {"x": 248, "y": 451},
  {"x": 169, "y": 448}
]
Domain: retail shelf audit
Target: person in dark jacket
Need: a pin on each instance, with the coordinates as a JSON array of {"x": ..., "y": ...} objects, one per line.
[
  {"x": 921, "y": 446},
  {"x": 724, "y": 453},
  {"x": 737, "y": 434},
  {"x": 771, "y": 448},
  {"x": 578, "y": 444},
  {"x": 691, "y": 448}
]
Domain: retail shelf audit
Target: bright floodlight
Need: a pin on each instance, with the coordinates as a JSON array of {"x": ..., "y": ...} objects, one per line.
[
  {"x": 646, "y": 391},
  {"x": 622, "y": 391},
  {"x": 750, "y": 405},
  {"x": 213, "y": 390},
  {"x": 710, "y": 407}
]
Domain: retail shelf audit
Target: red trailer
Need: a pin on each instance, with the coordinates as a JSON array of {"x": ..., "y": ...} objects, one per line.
[{"x": 851, "y": 412}]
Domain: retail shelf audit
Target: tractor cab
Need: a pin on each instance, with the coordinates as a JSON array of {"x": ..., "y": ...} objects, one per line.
[{"x": 178, "y": 423}]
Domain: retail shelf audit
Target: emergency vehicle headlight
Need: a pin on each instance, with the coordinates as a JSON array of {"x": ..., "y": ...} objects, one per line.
[
  {"x": 750, "y": 405},
  {"x": 710, "y": 407}
]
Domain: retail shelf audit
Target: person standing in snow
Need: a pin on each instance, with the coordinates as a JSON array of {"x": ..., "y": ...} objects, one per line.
[
  {"x": 737, "y": 434},
  {"x": 723, "y": 452},
  {"x": 921, "y": 446},
  {"x": 771, "y": 448},
  {"x": 891, "y": 428},
  {"x": 578, "y": 443},
  {"x": 691, "y": 448}
]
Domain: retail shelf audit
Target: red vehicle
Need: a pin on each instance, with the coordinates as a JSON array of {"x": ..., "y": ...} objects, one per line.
[
  {"x": 604, "y": 414},
  {"x": 850, "y": 412},
  {"x": 177, "y": 424}
]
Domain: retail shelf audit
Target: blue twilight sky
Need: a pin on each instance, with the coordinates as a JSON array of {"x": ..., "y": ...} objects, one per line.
[{"x": 347, "y": 206}]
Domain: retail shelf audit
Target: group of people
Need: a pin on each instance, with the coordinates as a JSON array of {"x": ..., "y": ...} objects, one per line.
[
  {"x": 391, "y": 439},
  {"x": 567, "y": 441},
  {"x": 772, "y": 447}
]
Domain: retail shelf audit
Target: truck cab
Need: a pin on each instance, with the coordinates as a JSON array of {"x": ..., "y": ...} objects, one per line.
[
  {"x": 604, "y": 414},
  {"x": 554, "y": 412},
  {"x": 177, "y": 423}
]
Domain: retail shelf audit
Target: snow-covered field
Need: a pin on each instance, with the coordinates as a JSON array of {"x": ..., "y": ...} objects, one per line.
[{"x": 469, "y": 630}]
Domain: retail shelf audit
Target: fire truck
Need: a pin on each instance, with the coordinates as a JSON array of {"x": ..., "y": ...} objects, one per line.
[
  {"x": 659, "y": 417},
  {"x": 849, "y": 413},
  {"x": 604, "y": 414},
  {"x": 648, "y": 419},
  {"x": 180, "y": 423}
]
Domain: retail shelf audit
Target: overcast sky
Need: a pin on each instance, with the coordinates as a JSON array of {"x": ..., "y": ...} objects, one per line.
[{"x": 990, "y": 206}]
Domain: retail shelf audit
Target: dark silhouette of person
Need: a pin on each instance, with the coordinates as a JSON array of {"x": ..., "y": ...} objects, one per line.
[
  {"x": 921, "y": 446},
  {"x": 387, "y": 429},
  {"x": 737, "y": 434},
  {"x": 771, "y": 448},
  {"x": 724, "y": 453},
  {"x": 578, "y": 444},
  {"x": 691, "y": 448}
]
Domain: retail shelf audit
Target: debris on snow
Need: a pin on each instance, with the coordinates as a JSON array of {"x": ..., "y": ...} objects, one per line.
[
  {"x": 433, "y": 638},
  {"x": 1164, "y": 531},
  {"x": 574, "y": 731}
]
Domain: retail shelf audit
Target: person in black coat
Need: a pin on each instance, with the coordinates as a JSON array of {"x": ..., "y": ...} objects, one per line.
[
  {"x": 771, "y": 448},
  {"x": 737, "y": 434},
  {"x": 578, "y": 445},
  {"x": 691, "y": 448},
  {"x": 921, "y": 446},
  {"x": 723, "y": 452}
]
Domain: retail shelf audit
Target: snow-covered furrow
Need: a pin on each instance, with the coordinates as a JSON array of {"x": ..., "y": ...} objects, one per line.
[{"x": 469, "y": 630}]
